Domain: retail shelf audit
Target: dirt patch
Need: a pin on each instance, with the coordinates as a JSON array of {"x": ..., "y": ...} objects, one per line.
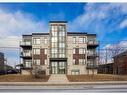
[
  {"x": 99, "y": 77},
  {"x": 22, "y": 78}
]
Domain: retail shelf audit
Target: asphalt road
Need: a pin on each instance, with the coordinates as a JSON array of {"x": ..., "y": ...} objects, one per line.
[{"x": 70, "y": 89}]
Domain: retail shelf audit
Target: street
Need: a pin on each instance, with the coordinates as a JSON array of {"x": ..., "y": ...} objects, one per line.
[{"x": 70, "y": 89}]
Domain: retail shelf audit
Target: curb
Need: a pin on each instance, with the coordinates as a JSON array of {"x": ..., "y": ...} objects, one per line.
[{"x": 59, "y": 84}]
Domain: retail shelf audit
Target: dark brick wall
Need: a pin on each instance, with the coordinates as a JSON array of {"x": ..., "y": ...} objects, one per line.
[
  {"x": 78, "y": 56},
  {"x": 42, "y": 57},
  {"x": 120, "y": 65}
]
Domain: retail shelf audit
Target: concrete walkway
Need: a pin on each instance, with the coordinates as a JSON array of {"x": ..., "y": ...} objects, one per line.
[{"x": 58, "y": 78}]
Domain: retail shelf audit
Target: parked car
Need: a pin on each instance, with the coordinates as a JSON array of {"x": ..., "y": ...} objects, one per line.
[
  {"x": 12, "y": 71},
  {"x": 2, "y": 72}
]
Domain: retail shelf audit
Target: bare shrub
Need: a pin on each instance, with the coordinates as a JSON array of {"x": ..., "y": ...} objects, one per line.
[{"x": 38, "y": 72}]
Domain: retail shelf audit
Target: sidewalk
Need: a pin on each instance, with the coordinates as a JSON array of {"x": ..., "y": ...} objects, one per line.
[{"x": 59, "y": 84}]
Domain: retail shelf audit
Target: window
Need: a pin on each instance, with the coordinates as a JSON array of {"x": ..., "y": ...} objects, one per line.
[
  {"x": 62, "y": 28},
  {"x": 45, "y": 41},
  {"x": 53, "y": 28},
  {"x": 61, "y": 50},
  {"x": 36, "y": 41},
  {"x": 74, "y": 50},
  {"x": 61, "y": 55},
  {"x": 62, "y": 45},
  {"x": 61, "y": 33},
  {"x": 54, "y": 44},
  {"x": 75, "y": 72},
  {"x": 61, "y": 39},
  {"x": 82, "y": 50},
  {"x": 81, "y": 61},
  {"x": 45, "y": 61},
  {"x": 36, "y": 61},
  {"x": 82, "y": 39},
  {"x": 54, "y": 50},
  {"x": 36, "y": 51},
  {"x": 74, "y": 40},
  {"x": 54, "y": 33},
  {"x": 45, "y": 50},
  {"x": 54, "y": 39},
  {"x": 28, "y": 63},
  {"x": 74, "y": 62}
]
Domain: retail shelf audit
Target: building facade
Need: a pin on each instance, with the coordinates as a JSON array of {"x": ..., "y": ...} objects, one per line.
[
  {"x": 105, "y": 68},
  {"x": 120, "y": 64},
  {"x": 59, "y": 51}
]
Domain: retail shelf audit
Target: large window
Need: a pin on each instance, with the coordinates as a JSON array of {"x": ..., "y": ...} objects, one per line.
[
  {"x": 82, "y": 61},
  {"x": 54, "y": 39},
  {"x": 82, "y": 40},
  {"x": 74, "y": 40},
  {"x": 58, "y": 41},
  {"x": 75, "y": 72},
  {"x": 61, "y": 50},
  {"x": 62, "y": 55},
  {"x": 61, "y": 45},
  {"x": 82, "y": 50},
  {"x": 54, "y": 52},
  {"x": 36, "y": 51},
  {"x": 54, "y": 45},
  {"x": 62, "y": 28},
  {"x": 37, "y": 61},
  {"x": 61, "y": 33},
  {"x": 53, "y": 28},
  {"x": 36, "y": 41}
]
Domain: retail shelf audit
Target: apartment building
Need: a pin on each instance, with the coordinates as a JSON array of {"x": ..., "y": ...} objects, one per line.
[
  {"x": 59, "y": 51},
  {"x": 120, "y": 64}
]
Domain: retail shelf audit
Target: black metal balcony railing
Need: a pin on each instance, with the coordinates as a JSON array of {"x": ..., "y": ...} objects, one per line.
[
  {"x": 92, "y": 54},
  {"x": 91, "y": 66},
  {"x": 23, "y": 54},
  {"x": 25, "y": 43},
  {"x": 92, "y": 42}
]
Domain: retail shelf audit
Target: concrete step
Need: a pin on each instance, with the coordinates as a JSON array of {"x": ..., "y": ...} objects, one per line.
[{"x": 58, "y": 78}]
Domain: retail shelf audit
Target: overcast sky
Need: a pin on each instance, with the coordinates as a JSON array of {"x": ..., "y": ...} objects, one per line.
[{"x": 107, "y": 20}]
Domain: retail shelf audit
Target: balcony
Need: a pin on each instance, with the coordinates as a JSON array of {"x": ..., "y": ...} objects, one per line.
[
  {"x": 92, "y": 44},
  {"x": 91, "y": 66},
  {"x": 26, "y": 55},
  {"x": 92, "y": 55},
  {"x": 26, "y": 44}
]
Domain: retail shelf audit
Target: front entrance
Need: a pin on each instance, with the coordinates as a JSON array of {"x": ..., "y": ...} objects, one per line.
[{"x": 58, "y": 67}]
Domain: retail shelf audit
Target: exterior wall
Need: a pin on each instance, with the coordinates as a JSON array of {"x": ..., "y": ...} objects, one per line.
[
  {"x": 42, "y": 56},
  {"x": 105, "y": 68},
  {"x": 120, "y": 64},
  {"x": 70, "y": 56}
]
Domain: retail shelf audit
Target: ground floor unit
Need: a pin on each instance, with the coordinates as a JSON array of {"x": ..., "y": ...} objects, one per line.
[{"x": 62, "y": 67}]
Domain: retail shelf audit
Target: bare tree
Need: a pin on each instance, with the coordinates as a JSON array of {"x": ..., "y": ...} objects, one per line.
[{"x": 107, "y": 54}]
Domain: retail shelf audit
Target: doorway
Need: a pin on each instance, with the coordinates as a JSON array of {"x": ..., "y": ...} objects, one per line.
[{"x": 58, "y": 67}]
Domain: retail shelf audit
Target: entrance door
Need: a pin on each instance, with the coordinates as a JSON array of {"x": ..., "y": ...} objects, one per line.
[
  {"x": 54, "y": 66},
  {"x": 62, "y": 67},
  {"x": 58, "y": 67}
]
